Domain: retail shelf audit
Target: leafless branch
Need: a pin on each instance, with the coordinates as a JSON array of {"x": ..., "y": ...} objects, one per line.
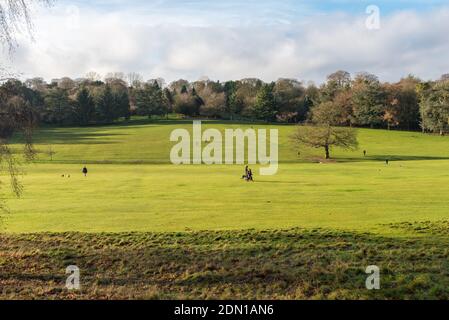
[{"x": 15, "y": 15}]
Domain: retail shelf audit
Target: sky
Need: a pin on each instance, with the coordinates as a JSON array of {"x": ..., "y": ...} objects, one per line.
[{"x": 235, "y": 39}]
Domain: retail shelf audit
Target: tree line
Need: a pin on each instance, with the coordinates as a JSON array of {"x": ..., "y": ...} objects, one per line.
[{"x": 362, "y": 101}]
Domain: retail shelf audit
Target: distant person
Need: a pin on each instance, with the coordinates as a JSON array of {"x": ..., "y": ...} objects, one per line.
[
  {"x": 250, "y": 176},
  {"x": 85, "y": 171},
  {"x": 364, "y": 153},
  {"x": 245, "y": 176},
  {"x": 387, "y": 162}
]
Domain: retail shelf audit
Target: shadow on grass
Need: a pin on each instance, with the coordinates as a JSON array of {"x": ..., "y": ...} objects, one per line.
[
  {"x": 246, "y": 264},
  {"x": 391, "y": 158},
  {"x": 93, "y": 134},
  {"x": 53, "y": 136},
  {"x": 279, "y": 182}
]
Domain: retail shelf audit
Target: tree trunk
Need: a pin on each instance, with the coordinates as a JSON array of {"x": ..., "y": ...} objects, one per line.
[{"x": 328, "y": 155}]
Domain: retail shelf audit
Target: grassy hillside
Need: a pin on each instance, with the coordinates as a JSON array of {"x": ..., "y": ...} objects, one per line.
[
  {"x": 275, "y": 264},
  {"x": 131, "y": 188},
  {"x": 148, "y": 142},
  {"x": 139, "y": 227}
]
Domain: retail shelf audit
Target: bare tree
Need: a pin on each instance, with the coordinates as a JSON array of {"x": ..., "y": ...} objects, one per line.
[
  {"x": 111, "y": 76},
  {"x": 93, "y": 76},
  {"x": 15, "y": 113},
  {"x": 214, "y": 103},
  {"x": 50, "y": 152},
  {"x": 37, "y": 84},
  {"x": 135, "y": 79},
  {"x": 340, "y": 78},
  {"x": 15, "y": 116},
  {"x": 66, "y": 83},
  {"x": 14, "y": 14},
  {"x": 325, "y": 137}
]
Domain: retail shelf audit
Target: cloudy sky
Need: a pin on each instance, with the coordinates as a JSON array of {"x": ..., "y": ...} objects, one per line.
[{"x": 234, "y": 39}]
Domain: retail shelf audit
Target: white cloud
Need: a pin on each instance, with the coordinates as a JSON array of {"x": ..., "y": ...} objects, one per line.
[{"x": 180, "y": 45}]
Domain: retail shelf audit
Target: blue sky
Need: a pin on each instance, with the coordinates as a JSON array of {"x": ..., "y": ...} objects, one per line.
[
  {"x": 234, "y": 39},
  {"x": 317, "y": 5},
  {"x": 294, "y": 8}
]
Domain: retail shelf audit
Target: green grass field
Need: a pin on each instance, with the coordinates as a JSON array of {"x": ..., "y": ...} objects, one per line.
[
  {"x": 132, "y": 186},
  {"x": 140, "y": 227}
]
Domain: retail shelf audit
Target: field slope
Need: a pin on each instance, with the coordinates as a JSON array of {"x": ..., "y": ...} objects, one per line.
[
  {"x": 132, "y": 186},
  {"x": 141, "y": 228}
]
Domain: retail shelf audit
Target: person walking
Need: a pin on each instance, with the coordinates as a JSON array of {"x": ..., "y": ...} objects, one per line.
[
  {"x": 246, "y": 173},
  {"x": 250, "y": 176}
]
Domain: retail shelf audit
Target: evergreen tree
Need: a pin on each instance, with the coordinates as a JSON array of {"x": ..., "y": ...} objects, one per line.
[
  {"x": 105, "y": 105},
  {"x": 169, "y": 100},
  {"x": 84, "y": 106},
  {"x": 58, "y": 107},
  {"x": 150, "y": 100},
  {"x": 121, "y": 105},
  {"x": 233, "y": 104},
  {"x": 265, "y": 107},
  {"x": 369, "y": 100}
]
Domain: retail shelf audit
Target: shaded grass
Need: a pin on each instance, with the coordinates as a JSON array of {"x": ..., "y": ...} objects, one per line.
[
  {"x": 274, "y": 264},
  {"x": 428, "y": 228}
]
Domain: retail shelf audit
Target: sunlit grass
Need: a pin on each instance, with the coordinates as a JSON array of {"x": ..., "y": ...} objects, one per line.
[{"x": 131, "y": 186}]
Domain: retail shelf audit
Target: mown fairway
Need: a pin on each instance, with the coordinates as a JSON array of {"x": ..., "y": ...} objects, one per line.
[
  {"x": 132, "y": 187},
  {"x": 356, "y": 196},
  {"x": 139, "y": 227}
]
